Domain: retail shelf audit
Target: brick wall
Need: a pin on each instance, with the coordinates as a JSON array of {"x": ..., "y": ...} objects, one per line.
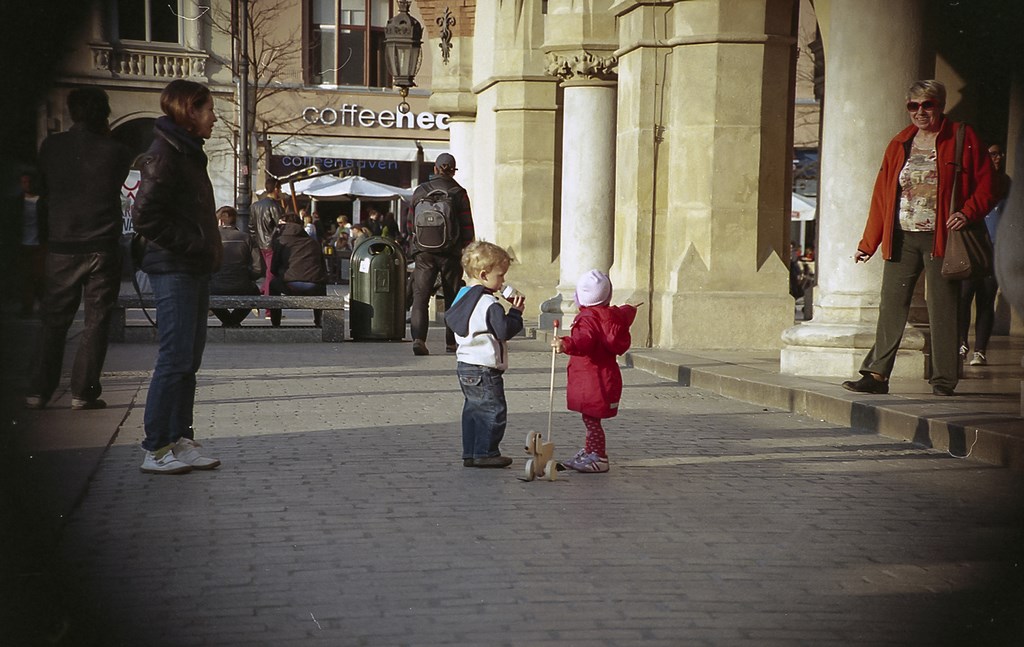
[{"x": 464, "y": 12}]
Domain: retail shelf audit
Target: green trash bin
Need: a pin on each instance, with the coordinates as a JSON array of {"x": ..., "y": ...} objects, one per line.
[{"x": 377, "y": 290}]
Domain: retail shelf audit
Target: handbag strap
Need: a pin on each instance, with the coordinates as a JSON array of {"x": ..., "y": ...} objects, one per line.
[{"x": 957, "y": 166}]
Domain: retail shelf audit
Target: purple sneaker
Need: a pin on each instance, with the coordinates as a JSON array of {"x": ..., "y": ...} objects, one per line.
[
  {"x": 591, "y": 463},
  {"x": 575, "y": 460}
]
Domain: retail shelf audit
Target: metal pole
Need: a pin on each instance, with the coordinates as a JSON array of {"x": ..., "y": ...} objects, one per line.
[{"x": 243, "y": 188}]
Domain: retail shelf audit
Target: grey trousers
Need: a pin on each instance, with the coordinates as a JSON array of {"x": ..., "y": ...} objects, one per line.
[{"x": 912, "y": 253}]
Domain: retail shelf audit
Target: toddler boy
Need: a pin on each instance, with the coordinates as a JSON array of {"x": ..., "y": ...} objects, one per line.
[{"x": 482, "y": 330}]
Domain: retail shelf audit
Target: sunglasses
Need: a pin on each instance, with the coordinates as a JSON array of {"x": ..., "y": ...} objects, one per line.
[{"x": 928, "y": 104}]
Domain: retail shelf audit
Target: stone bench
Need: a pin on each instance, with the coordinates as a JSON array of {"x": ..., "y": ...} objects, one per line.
[{"x": 332, "y": 320}]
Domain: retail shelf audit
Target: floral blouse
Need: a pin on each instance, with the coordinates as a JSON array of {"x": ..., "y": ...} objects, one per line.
[{"x": 919, "y": 183}]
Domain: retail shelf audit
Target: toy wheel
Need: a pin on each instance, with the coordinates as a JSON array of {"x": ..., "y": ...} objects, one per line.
[
  {"x": 528, "y": 470},
  {"x": 551, "y": 470}
]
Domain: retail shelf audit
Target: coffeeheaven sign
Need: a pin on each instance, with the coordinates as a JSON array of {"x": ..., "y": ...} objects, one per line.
[{"x": 350, "y": 114}]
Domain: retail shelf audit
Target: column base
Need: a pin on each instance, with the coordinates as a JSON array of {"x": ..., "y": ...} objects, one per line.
[
  {"x": 837, "y": 350},
  {"x": 559, "y": 309}
]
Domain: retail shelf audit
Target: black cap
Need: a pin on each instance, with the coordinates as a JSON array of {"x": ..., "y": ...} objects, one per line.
[{"x": 445, "y": 160}]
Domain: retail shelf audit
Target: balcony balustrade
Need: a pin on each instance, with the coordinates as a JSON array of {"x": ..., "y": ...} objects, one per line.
[{"x": 148, "y": 63}]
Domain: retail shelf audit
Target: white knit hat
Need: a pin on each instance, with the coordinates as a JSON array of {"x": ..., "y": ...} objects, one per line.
[{"x": 593, "y": 289}]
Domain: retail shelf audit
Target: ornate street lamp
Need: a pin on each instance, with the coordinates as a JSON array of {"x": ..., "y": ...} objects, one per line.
[{"x": 403, "y": 40}]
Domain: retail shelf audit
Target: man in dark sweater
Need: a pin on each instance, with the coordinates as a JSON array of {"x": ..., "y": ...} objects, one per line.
[
  {"x": 82, "y": 171},
  {"x": 239, "y": 267},
  {"x": 298, "y": 266}
]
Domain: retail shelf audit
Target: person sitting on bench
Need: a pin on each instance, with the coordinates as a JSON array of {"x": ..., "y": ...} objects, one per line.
[
  {"x": 298, "y": 266},
  {"x": 239, "y": 269}
]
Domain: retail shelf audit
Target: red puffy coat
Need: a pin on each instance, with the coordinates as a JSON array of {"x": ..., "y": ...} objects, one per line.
[{"x": 598, "y": 335}]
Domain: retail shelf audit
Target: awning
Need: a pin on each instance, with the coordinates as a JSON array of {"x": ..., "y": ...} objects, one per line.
[
  {"x": 398, "y": 150},
  {"x": 431, "y": 149}
]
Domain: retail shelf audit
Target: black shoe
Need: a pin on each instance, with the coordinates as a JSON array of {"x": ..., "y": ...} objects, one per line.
[
  {"x": 467, "y": 462},
  {"x": 938, "y": 389},
  {"x": 492, "y": 461},
  {"x": 867, "y": 384},
  {"x": 419, "y": 347}
]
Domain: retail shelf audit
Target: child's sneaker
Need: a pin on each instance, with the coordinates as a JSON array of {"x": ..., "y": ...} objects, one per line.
[
  {"x": 574, "y": 461},
  {"x": 591, "y": 463}
]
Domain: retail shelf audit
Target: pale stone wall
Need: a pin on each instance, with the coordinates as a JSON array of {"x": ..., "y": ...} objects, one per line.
[
  {"x": 515, "y": 141},
  {"x": 721, "y": 250}
]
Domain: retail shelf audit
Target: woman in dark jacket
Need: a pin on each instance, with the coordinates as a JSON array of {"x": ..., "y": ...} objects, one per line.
[
  {"x": 298, "y": 265},
  {"x": 174, "y": 211}
]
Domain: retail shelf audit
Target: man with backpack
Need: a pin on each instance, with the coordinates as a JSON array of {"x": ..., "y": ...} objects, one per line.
[{"x": 442, "y": 225}]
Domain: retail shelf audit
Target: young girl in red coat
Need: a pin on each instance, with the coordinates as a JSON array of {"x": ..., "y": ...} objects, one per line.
[{"x": 599, "y": 333}]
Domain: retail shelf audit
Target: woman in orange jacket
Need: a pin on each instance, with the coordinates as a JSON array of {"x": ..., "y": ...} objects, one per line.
[{"x": 909, "y": 218}]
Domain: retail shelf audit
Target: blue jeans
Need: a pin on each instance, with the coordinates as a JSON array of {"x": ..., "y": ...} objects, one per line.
[
  {"x": 70, "y": 278},
  {"x": 182, "y": 301},
  {"x": 485, "y": 412}
]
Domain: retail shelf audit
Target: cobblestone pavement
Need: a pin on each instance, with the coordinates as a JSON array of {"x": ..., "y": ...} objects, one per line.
[{"x": 342, "y": 516}]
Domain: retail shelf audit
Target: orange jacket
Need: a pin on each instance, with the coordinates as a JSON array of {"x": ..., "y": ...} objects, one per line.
[{"x": 975, "y": 183}]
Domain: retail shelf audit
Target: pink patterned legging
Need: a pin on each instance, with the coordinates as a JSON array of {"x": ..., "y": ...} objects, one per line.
[{"x": 595, "y": 436}]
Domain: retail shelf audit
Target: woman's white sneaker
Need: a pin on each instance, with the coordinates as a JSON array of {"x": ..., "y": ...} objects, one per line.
[
  {"x": 164, "y": 463},
  {"x": 186, "y": 451}
]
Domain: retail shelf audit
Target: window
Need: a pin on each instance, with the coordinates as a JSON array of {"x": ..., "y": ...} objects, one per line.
[
  {"x": 346, "y": 42},
  {"x": 155, "y": 21}
]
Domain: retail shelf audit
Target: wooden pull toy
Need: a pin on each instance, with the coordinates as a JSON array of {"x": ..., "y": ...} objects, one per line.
[{"x": 542, "y": 461}]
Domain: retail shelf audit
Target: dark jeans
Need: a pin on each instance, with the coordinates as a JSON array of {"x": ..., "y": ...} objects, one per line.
[
  {"x": 277, "y": 286},
  {"x": 182, "y": 301},
  {"x": 983, "y": 293},
  {"x": 70, "y": 277},
  {"x": 428, "y": 266},
  {"x": 485, "y": 412},
  {"x": 912, "y": 254}
]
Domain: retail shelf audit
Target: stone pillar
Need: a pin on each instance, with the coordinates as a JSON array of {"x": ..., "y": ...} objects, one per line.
[
  {"x": 515, "y": 149},
  {"x": 873, "y": 52},
  {"x": 588, "y": 176},
  {"x": 710, "y": 127},
  {"x": 641, "y": 97}
]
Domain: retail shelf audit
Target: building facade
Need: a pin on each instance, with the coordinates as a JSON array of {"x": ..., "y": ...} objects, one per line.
[{"x": 318, "y": 87}]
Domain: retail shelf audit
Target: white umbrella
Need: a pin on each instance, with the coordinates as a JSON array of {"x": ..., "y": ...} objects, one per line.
[
  {"x": 304, "y": 186},
  {"x": 803, "y": 207},
  {"x": 352, "y": 186}
]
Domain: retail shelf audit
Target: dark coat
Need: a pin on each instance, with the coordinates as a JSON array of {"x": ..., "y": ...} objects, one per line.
[
  {"x": 174, "y": 207},
  {"x": 460, "y": 207},
  {"x": 240, "y": 265},
  {"x": 264, "y": 216},
  {"x": 599, "y": 334},
  {"x": 297, "y": 257},
  {"x": 81, "y": 174}
]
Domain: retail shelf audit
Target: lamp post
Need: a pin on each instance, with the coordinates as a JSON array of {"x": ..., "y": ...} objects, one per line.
[{"x": 403, "y": 42}]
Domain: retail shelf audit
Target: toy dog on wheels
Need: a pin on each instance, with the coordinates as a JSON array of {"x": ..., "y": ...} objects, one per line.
[{"x": 542, "y": 463}]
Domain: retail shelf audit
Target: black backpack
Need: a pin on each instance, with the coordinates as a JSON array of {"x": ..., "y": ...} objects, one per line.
[{"x": 435, "y": 226}]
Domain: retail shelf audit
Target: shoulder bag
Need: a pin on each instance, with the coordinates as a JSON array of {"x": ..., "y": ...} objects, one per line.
[{"x": 969, "y": 250}]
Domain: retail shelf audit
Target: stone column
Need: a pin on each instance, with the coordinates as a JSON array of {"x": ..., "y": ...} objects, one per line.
[
  {"x": 873, "y": 52},
  {"x": 514, "y": 140},
  {"x": 588, "y": 176},
  {"x": 708, "y": 128}
]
